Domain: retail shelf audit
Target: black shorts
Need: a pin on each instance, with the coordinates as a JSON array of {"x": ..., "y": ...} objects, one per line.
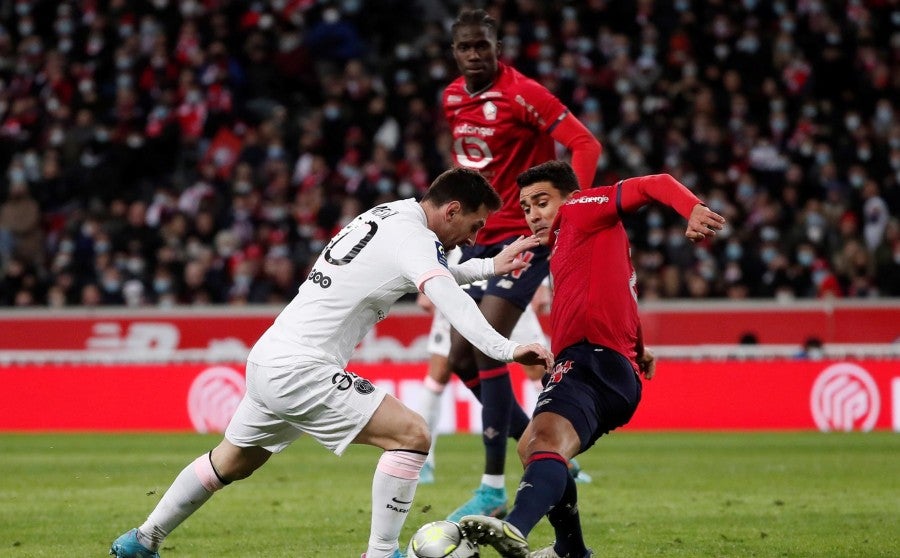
[
  {"x": 517, "y": 287},
  {"x": 594, "y": 388}
]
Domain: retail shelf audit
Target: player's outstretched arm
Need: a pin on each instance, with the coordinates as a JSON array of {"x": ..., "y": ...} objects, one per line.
[
  {"x": 508, "y": 259},
  {"x": 465, "y": 316},
  {"x": 703, "y": 222},
  {"x": 533, "y": 354}
]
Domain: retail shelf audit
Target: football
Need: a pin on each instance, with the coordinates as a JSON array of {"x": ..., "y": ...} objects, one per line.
[{"x": 441, "y": 539}]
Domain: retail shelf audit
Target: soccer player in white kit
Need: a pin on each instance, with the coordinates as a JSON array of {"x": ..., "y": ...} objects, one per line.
[{"x": 297, "y": 381}]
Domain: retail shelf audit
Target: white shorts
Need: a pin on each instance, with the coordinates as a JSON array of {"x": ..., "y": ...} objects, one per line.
[
  {"x": 321, "y": 400},
  {"x": 527, "y": 330}
]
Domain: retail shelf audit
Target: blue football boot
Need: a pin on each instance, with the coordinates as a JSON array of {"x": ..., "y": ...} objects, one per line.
[{"x": 127, "y": 546}]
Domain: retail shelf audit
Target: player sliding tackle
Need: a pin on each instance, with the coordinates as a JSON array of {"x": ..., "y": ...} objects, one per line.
[
  {"x": 297, "y": 381},
  {"x": 595, "y": 385}
]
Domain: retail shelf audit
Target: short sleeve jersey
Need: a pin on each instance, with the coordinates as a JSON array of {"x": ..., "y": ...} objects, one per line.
[
  {"x": 502, "y": 131},
  {"x": 594, "y": 283},
  {"x": 379, "y": 256}
]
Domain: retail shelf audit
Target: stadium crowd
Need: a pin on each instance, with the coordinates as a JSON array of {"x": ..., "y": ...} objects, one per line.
[{"x": 202, "y": 151}]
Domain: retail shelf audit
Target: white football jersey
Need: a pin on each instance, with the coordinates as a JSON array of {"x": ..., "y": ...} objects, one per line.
[{"x": 381, "y": 255}]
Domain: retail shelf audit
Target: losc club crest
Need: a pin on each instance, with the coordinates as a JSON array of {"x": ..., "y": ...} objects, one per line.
[
  {"x": 214, "y": 397},
  {"x": 844, "y": 398}
]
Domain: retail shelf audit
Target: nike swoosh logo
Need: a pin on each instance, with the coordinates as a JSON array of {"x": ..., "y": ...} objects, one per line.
[{"x": 396, "y": 501}]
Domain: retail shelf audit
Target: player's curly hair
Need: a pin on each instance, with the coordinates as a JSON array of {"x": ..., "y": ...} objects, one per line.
[
  {"x": 474, "y": 17},
  {"x": 466, "y": 186},
  {"x": 558, "y": 173}
]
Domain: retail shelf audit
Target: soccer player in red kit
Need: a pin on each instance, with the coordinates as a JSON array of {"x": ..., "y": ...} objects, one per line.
[
  {"x": 594, "y": 386},
  {"x": 502, "y": 123}
]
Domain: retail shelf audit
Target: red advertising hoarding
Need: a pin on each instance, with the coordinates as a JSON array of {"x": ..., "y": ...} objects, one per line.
[
  {"x": 230, "y": 332},
  {"x": 707, "y": 395}
]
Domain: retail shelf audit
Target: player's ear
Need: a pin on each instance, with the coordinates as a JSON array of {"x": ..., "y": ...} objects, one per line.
[{"x": 453, "y": 208}]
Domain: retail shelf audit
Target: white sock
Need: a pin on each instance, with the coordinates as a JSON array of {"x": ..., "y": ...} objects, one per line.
[
  {"x": 494, "y": 481},
  {"x": 190, "y": 490},
  {"x": 431, "y": 410},
  {"x": 393, "y": 489}
]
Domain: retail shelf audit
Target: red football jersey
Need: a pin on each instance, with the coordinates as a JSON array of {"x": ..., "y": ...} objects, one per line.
[
  {"x": 594, "y": 283},
  {"x": 501, "y": 131}
]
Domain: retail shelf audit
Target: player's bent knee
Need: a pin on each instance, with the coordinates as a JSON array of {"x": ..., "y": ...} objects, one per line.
[
  {"x": 522, "y": 450},
  {"x": 234, "y": 463},
  {"x": 416, "y": 435}
]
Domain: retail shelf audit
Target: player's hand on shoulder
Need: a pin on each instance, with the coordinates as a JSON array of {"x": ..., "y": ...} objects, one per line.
[
  {"x": 533, "y": 354},
  {"x": 703, "y": 222},
  {"x": 508, "y": 259},
  {"x": 646, "y": 362}
]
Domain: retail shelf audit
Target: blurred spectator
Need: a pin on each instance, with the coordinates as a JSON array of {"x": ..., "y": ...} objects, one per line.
[
  {"x": 748, "y": 338},
  {"x": 206, "y": 150},
  {"x": 812, "y": 349},
  {"x": 21, "y": 235}
]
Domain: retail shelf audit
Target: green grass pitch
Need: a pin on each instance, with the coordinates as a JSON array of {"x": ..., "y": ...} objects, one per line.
[{"x": 654, "y": 494}]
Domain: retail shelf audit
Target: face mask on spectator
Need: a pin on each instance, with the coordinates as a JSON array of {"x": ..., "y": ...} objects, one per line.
[
  {"x": 749, "y": 43},
  {"x": 332, "y": 112},
  {"x": 778, "y": 125},
  {"x": 884, "y": 114},
  {"x": 733, "y": 273},
  {"x": 111, "y": 285},
  {"x": 437, "y": 71},
  {"x": 16, "y": 175},
  {"x": 745, "y": 191},
  {"x": 768, "y": 254},
  {"x": 806, "y": 148},
  {"x": 784, "y": 294},
  {"x": 818, "y": 277},
  {"x": 805, "y": 258},
  {"x": 275, "y": 152},
  {"x": 161, "y": 285},
  {"x": 814, "y": 233},
  {"x": 188, "y": 8},
  {"x": 384, "y": 185},
  {"x": 721, "y": 51},
  {"x": 331, "y": 15},
  {"x": 734, "y": 251},
  {"x": 64, "y": 26},
  {"x": 584, "y": 45},
  {"x": 135, "y": 265}
]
